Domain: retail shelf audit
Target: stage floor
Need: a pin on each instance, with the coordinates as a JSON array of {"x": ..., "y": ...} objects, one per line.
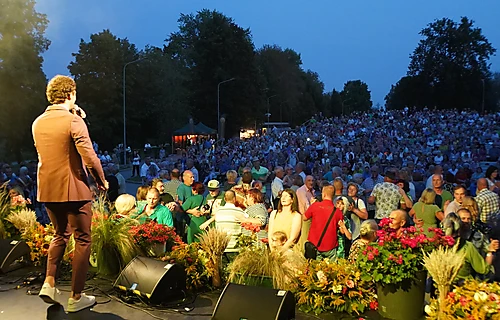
[{"x": 19, "y": 304}]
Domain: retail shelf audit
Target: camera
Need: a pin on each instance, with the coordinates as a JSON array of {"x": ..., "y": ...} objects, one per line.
[{"x": 205, "y": 207}]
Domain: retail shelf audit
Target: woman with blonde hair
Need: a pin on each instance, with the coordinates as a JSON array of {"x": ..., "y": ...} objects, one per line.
[
  {"x": 124, "y": 205},
  {"x": 426, "y": 213},
  {"x": 470, "y": 204},
  {"x": 287, "y": 219},
  {"x": 367, "y": 234}
]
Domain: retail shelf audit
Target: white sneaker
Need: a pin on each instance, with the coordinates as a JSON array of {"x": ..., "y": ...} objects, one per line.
[
  {"x": 49, "y": 294},
  {"x": 85, "y": 301}
]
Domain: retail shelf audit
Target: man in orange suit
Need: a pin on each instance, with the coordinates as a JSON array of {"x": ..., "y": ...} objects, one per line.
[{"x": 65, "y": 154}]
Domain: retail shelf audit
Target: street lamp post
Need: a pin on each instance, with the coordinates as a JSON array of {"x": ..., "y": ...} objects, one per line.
[
  {"x": 268, "y": 114},
  {"x": 124, "y": 112},
  {"x": 218, "y": 105},
  {"x": 482, "y": 104}
]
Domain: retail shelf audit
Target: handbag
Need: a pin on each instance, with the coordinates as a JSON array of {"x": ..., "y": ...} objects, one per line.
[{"x": 310, "y": 250}]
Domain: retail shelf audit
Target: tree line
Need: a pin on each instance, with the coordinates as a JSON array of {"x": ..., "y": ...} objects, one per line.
[{"x": 187, "y": 77}]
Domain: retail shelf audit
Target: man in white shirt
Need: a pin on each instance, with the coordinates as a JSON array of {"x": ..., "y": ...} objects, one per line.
[
  {"x": 145, "y": 167},
  {"x": 190, "y": 166},
  {"x": 277, "y": 185},
  {"x": 453, "y": 206}
]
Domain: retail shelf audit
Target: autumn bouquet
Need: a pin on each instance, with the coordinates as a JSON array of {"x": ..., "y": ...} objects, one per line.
[
  {"x": 473, "y": 300},
  {"x": 337, "y": 286},
  {"x": 194, "y": 261},
  {"x": 397, "y": 256},
  {"x": 249, "y": 239},
  {"x": 38, "y": 239}
]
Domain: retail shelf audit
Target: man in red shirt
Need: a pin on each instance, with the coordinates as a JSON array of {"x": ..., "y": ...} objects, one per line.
[{"x": 319, "y": 212}]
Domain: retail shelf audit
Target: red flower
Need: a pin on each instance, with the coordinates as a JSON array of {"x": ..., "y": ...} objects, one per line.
[
  {"x": 370, "y": 256},
  {"x": 374, "y": 305}
]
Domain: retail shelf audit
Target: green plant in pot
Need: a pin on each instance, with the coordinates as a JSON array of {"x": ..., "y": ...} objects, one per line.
[
  {"x": 113, "y": 246},
  {"x": 259, "y": 266},
  {"x": 395, "y": 264}
]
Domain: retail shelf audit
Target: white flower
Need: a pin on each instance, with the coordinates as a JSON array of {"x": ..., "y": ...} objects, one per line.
[
  {"x": 429, "y": 310},
  {"x": 321, "y": 276},
  {"x": 480, "y": 296}
]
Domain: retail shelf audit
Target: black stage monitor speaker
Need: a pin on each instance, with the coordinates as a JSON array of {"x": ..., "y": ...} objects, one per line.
[
  {"x": 156, "y": 280},
  {"x": 254, "y": 303},
  {"x": 14, "y": 254}
]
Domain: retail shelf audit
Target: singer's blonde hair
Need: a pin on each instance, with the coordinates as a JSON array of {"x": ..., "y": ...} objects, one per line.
[{"x": 59, "y": 88}]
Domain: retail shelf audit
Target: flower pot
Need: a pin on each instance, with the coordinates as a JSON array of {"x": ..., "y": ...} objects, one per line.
[
  {"x": 403, "y": 301},
  {"x": 157, "y": 249},
  {"x": 257, "y": 281}
]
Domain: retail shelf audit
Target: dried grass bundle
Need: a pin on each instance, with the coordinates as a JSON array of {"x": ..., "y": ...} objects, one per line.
[
  {"x": 261, "y": 262},
  {"x": 443, "y": 265},
  {"x": 23, "y": 220},
  {"x": 214, "y": 242}
]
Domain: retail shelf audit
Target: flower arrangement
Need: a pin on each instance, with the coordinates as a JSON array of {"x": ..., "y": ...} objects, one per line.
[
  {"x": 473, "y": 300},
  {"x": 38, "y": 239},
  {"x": 398, "y": 256},
  {"x": 337, "y": 286},
  {"x": 193, "y": 259},
  {"x": 113, "y": 246},
  {"x": 152, "y": 233}
]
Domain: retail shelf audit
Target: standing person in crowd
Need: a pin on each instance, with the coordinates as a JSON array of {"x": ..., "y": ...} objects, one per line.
[
  {"x": 426, "y": 213},
  {"x": 305, "y": 197},
  {"x": 368, "y": 185},
  {"x": 459, "y": 193},
  {"x": 287, "y": 219},
  {"x": 288, "y": 178},
  {"x": 149, "y": 170},
  {"x": 357, "y": 209},
  {"x": 474, "y": 233},
  {"x": 319, "y": 213},
  {"x": 256, "y": 212},
  {"x": 299, "y": 169},
  {"x": 136, "y": 162},
  {"x": 470, "y": 204},
  {"x": 487, "y": 201},
  {"x": 231, "y": 180},
  {"x": 122, "y": 184},
  {"x": 190, "y": 166},
  {"x": 442, "y": 195},
  {"x": 172, "y": 185},
  {"x": 474, "y": 262},
  {"x": 184, "y": 190},
  {"x": 64, "y": 152},
  {"x": 215, "y": 198},
  {"x": 277, "y": 185},
  {"x": 491, "y": 177},
  {"x": 259, "y": 173},
  {"x": 193, "y": 206},
  {"x": 399, "y": 220},
  {"x": 386, "y": 196},
  {"x": 165, "y": 198}
]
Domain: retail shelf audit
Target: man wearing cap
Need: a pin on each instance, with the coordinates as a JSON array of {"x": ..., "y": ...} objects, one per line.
[
  {"x": 215, "y": 197},
  {"x": 259, "y": 173}
]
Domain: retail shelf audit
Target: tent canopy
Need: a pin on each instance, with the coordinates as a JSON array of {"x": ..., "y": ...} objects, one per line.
[{"x": 200, "y": 129}]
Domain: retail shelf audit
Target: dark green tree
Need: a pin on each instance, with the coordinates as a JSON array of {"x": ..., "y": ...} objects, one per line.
[
  {"x": 335, "y": 103},
  {"x": 22, "y": 81},
  {"x": 98, "y": 72},
  {"x": 355, "y": 97},
  {"x": 214, "y": 48},
  {"x": 409, "y": 91},
  {"x": 452, "y": 59}
]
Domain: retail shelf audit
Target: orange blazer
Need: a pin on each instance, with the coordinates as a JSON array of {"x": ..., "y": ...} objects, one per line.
[{"x": 64, "y": 150}]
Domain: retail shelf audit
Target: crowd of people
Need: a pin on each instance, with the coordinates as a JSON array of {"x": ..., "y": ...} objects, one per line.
[
  {"x": 330, "y": 181},
  {"x": 327, "y": 183}
]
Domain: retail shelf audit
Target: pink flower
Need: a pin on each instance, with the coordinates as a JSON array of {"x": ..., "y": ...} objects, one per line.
[{"x": 370, "y": 256}]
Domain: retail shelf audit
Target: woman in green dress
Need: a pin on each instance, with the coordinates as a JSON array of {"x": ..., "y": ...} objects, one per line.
[
  {"x": 425, "y": 213},
  {"x": 193, "y": 206}
]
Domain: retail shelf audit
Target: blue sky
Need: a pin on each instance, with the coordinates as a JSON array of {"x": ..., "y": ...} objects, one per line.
[{"x": 340, "y": 40}]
